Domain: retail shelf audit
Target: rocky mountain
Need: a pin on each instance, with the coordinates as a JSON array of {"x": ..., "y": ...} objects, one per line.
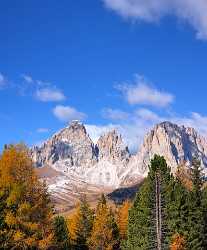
[
  {"x": 177, "y": 144},
  {"x": 78, "y": 164},
  {"x": 72, "y": 152}
]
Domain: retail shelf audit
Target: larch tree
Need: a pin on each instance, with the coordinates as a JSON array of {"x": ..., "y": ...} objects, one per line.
[
  {"x": 26, "y": 211},
  {"x": 105, "y": 234},
  {"x": 122, "y": 219},
  {"x": 178, "y": 242},
  {"x": 80, "y": 225}
]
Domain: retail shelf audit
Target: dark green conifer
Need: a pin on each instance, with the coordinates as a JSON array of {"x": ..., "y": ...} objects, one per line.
[{"x": 61, "y": 235}]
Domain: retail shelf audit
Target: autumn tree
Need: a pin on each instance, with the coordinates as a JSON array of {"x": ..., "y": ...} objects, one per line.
[
  {"x": 80, "y": 225},
  {"x": 122, "y": 219},
  {"x": 25, "y": 210},
  {"x": 105, "y": 234},
  {"x": 178, "y": 242}
]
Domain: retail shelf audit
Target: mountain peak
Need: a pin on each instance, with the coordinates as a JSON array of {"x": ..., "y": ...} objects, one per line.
[{"x": 177, "y": 144}]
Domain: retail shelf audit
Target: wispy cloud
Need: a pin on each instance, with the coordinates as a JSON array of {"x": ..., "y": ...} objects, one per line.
[
  {"x": 114, "y": 114},
  {"x": 42, "y": 130},
  {"x": 3, "y": 81},
  {"x": 67, "y": 113},
  {"x": 42, "y": 90},
  {"x": 49, "y": 95},
  {"x": 141, "y": 92},
  {"x": 192, "y": 12},
  {"x": 27, "y": 78},
  {"x": 141, "y": 121}
]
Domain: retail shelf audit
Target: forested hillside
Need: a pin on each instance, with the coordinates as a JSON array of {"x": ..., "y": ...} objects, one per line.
[{"x": 169, "y": 212}]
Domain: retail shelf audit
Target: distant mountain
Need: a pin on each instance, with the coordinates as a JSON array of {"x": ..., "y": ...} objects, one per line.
[
  {"x": 81, "y": 166},
  {"x": 177, "y": 144}
]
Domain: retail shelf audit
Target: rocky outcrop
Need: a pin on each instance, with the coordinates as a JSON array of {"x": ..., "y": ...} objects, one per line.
[
  {"x": 71, "y": 146},
  {"x": 176, "y": 143},
  {"x": 110, "y": 146},
  {"x": 109, "y": 163}
]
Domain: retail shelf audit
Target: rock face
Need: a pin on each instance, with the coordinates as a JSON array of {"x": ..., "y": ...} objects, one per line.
[
  {"x": 177, "y": 144},
  {"x": 72, "y": 152},
  {"x": 71, "y": 147},
  {"x": 109, "y": 163}
]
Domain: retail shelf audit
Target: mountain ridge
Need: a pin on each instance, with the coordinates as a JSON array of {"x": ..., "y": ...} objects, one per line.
[{"x": 80, "y": 165}]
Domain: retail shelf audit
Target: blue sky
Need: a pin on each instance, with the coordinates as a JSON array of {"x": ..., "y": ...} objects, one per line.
[{"x": 110, "y": 63}]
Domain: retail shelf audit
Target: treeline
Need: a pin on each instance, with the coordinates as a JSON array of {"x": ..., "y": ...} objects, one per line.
[
  {"x": 27, "y": 219},
  {"x": 183, "y": 209}
]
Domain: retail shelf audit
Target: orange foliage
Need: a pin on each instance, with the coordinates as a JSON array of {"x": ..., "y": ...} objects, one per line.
[
  {"x": 102, "y": 236},
  {"x": 73, "y": 222},
  {"x": 184, "y": 176},
  {"x": 15, "y": 165},
  {"x": 122, "y": 219},
  {"x": 178, "y": 242},
  {"x": 27, "y": 208}
]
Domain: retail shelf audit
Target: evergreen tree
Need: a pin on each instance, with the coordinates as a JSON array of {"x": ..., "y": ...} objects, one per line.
[
  {"x": 196, "y": 235},
  {"x": 85, "y": 225},
  {"x": 142, "y": 216},
  {"x": 141, "y": 228},
  {"x": 80, "y": 225},
  {"x": 61, "y": 235}
]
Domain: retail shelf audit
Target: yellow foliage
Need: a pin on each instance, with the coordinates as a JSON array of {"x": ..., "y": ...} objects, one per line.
[
  {"x": 122, "y": 219},
  {"x": 28, "y": 211},
  {"x": 15, "y": 165},
  {"x": 102, "y": 232},
  {"x": 10, "y": 219},
  {"x": 184, "y": 177},
  {"x": 73, "y": 223},
  {"x": 18, "y": 236},
  {"x": 46, "y": 242}
]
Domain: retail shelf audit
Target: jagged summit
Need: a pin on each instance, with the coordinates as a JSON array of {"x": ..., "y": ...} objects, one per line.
[
  {"x": 177, "y": 144},
  {"x": 108, "y": 163}
]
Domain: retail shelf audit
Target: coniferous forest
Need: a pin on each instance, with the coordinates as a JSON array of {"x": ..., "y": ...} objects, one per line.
[{"x": 168, "y": 212}]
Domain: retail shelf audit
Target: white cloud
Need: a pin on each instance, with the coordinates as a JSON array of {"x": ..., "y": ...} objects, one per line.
[
  {"x": 3, "y": 81},
  {"x": 132, "y": 133},
  {"x": 192, "y": 12},
  {"x": 195, "y": 120},
  {"x": 49, "y": 95},
  {"x": 42, "y": 130},
  {"x": 141, "y": 121},
  {"x": 147, "y": 115},
  {"x": 42, "y": 90},
  {"x": 114, "y": 114},
  {"x": 27, "y": 78},
  {"x": 95, "y": 131},
  {"x": 67, "y": 113},
  {"x": 142, "y": 93}
]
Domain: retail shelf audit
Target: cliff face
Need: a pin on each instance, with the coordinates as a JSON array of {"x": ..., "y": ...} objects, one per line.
[
  {"x": 109, "y": 163},
  {"x": 177, "y": 144},
  {"x": 71, "y": 147},
  {"x": 72, "y": 152}
]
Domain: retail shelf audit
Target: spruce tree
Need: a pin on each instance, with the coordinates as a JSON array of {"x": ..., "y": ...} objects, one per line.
[
  {"x": 196, "y": 231},
  {"x": 142, "y": 225},
  {"x": 61, "y": 235},
  {"x": 85, "y": 225}
]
